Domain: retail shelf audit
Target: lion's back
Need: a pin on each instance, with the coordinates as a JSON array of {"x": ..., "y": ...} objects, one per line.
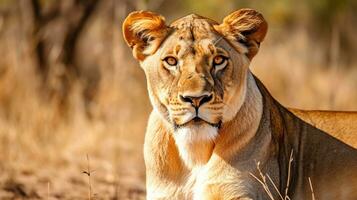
[{"x": 339, "y": 124}]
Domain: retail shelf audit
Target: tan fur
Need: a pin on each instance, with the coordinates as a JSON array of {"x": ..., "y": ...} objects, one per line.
[
  {"x": 340, "y": 124},
  {"x": 211, "y": 151}
]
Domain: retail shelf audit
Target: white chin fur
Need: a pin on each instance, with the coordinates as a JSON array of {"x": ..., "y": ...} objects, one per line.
[
  {"x": 189, "y": 141},
  {"x": 195, "y": 133}
]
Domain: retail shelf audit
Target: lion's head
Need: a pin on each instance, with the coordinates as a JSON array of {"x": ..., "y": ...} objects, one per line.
[{"x": 196, "y": 68}]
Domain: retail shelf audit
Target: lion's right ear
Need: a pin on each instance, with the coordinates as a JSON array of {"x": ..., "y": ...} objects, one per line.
[{"x": 144, "y": 31}]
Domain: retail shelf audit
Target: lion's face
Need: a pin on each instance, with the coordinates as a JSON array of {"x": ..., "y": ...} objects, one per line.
[
  {"x": 196, "y": 69},
  {"x": 196, "y": 75}
]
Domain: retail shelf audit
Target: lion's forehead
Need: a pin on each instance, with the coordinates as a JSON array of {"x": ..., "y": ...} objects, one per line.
[
  {"x": 185, "y": 49},
  {"x": 194, "y": 27},
  {"x": 192, "y": 35}
]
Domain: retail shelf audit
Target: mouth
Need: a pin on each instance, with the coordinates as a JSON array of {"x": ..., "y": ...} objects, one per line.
[{"x": 198, "y": 121}]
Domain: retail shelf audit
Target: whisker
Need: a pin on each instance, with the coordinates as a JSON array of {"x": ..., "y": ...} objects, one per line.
[
  {"x": 219, "y": 39},
  {"x": 179, "y": 109},
  {"x": 214, "y": 108},
  {"x": 179, "y": 114}
]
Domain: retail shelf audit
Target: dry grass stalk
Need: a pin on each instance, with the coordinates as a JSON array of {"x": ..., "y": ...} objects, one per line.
[
  {"x": 263, "y": 182},
  {"x": 289, "y": 174},
  {"x": 48, "y": 190},
  {"x": 276, "y": 189},
  {"x": 88, "y": 173},
  {"x": 312, "y": 190}
]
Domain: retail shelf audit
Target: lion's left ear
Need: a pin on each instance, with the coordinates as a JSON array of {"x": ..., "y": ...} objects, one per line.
[
  {"x": 144, "y": 31},
  {"x": 246, "y": 26}
]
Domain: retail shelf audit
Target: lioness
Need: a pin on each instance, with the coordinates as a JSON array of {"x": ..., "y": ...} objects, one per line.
[{"x": 214, "y": 122}]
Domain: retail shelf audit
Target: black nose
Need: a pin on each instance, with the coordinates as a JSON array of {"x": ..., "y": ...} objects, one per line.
[{"x": 196, "y": 101}]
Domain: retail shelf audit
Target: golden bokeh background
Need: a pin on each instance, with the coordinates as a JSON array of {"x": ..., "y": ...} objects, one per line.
[{"x": 69, "y": 86}]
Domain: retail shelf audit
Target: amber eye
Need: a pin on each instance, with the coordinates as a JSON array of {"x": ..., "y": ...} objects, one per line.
[
  {"x": 171, "y": 61},
  {"x": 219, "y": 62}
]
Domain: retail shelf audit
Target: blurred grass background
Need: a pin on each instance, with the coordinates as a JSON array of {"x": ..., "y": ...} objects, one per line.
[{"x": 70, "y": 87}]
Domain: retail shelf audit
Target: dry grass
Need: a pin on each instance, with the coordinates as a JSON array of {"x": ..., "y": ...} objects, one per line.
[
  {"x": 262, "y": 179},
  {"x": 312, "y": 190},
  {"x": 296, "y": 74},
  {"x": 43, "y": 154}
]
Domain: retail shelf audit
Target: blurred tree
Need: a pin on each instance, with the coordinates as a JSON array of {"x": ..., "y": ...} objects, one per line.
[
  {"x": 331, "y": 24},
  {"x": 56, "y": 28}
]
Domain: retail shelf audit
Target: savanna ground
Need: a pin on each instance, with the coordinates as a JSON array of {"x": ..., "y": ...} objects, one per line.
[{"x": 69, "y": 87}]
